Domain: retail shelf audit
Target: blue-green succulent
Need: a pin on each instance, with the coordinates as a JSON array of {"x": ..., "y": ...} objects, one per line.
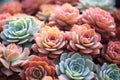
[
  {"x": 74, "y": 66},
  {"x": 108, "y": 72},
  {"x": 20, "y": 30},
  {"x": 103, "y": 4}
]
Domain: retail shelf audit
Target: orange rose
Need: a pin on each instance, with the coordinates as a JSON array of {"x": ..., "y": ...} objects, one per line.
[
  {"x": 37, "y": 69},
  {"x": 49, "y": 42}
]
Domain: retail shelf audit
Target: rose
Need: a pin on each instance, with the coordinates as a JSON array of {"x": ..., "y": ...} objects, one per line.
[
  {"x": 37, "y": 68},
  {"x": 50, "y": 42}
]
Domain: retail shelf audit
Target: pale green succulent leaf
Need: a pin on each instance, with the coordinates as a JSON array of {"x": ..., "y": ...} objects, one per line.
[
  {"x": 57, "y": 68},
  {"x": 89, "y": 76},
  {"x": 23, "y": 41},
  {"x": 75, "y": 56},
  {"x": 89, "y": 63},
  {"x": 104, "y": 66},
  {"x": 30, "y": 37},
  {"x": 86, "y": 71},
  {"x": 34, "y": 30},
  {"x": 62, "y": 68},
  {"x": 67, "y": 61},
  {"x": 5, "y": 42},
  {"x": 2, "y": 35},
  {"x": 63, "y": 57},
  {"x": 81, "y": 61}
]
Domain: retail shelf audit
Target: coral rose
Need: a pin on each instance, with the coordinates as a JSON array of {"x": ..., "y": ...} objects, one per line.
[
  {"x": 49, "y": 42},
  {"x": 101, "y": 20},
  {"x": 111, "y": 52},
  {"x": 84, "y": 39},
  {"x": 37, "y": 69},
  {"x": 65, "y": 16}
]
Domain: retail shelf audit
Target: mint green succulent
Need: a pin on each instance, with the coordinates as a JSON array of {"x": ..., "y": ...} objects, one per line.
[
  {"x": 20, "y": 30},
  {"x": 107, "y": 5},
  {"x": 108, "y": 72},
  {"x": 74, "y": 66}
]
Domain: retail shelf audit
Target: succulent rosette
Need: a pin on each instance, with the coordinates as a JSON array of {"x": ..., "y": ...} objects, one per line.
[
  {"x": 11, "y": 7},
  {"x": 20, "y": 30},
  {"x": 101, "y": 20},
  {"x": 103, "y": 4},
  {"x": 50, "y": 42},
  {"x": 30, "y": 6},
  {"x": 11, "y": 57},
  {"x": 46, "y": 11},
  {"x": 108, "y": 72},
  {"x": 74, "y": 66},
  {"x": 111, "y": 52},
  {"x": 65, "y": 16},
  {"x": 84, "y": 39},
  {"x": 38, "y": 68}
]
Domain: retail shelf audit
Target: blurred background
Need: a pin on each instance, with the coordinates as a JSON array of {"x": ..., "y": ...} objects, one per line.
[{"x": 117, "y": 2}]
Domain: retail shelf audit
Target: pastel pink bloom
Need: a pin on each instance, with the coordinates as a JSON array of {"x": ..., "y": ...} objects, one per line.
[{"x": 84, "y": 39}]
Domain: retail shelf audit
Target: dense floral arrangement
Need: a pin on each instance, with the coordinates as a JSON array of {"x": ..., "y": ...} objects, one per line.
[{"x": 59, "y": 40}]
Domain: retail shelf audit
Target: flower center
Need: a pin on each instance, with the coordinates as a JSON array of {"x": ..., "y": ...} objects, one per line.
[
  {"x": 76, "y": 67},
  {"x": 52, "y": 38},
  {"x": 37, "y": 74},
  {"x": 117, "y": 49},
  {"x": 86, "y": 35}
]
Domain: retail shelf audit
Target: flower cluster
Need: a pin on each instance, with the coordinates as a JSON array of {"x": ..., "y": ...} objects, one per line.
[{"x": 59, "y": 40}]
